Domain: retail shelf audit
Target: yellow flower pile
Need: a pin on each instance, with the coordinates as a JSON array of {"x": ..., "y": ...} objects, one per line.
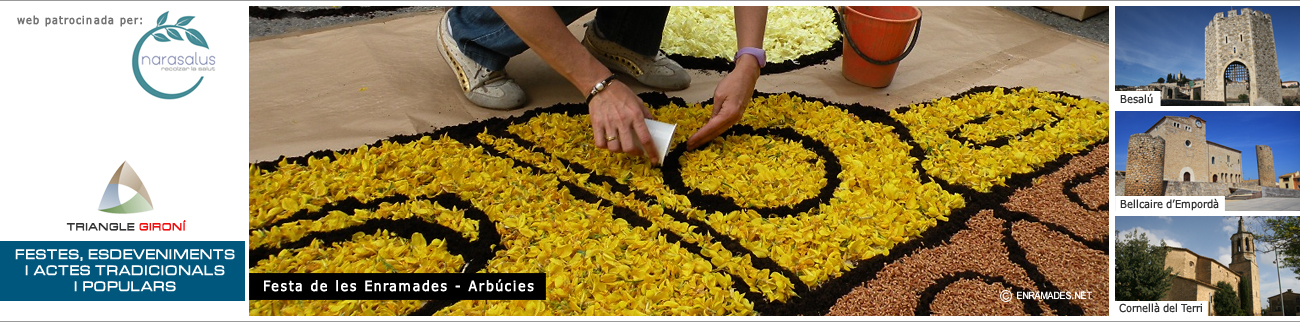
[
  {"x": 710, "y": 32},
  {"x": 1060, "y": 125},
  {"x": 614, "y": 239},
  {"x": 880, "y": 202},
  {"x": 758, "y": 171}
]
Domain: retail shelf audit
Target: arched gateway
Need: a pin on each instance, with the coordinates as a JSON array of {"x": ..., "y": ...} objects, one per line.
[{"x": 1241, "y": 58}]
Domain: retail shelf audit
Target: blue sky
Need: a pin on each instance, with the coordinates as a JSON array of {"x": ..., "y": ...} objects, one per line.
[
  {"x": 1240, "y": 130},
  {"x": 1151, "y": 42},
  {"x": 1209, "y": 237}
]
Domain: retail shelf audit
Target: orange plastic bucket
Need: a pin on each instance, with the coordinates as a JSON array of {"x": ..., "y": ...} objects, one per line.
[{"x": 876, "y": 39}]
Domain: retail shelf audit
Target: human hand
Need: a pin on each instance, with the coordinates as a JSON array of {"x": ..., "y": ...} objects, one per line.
[
  {"x": 729, "y": 101},
  {"x": 618, "y": 122}
]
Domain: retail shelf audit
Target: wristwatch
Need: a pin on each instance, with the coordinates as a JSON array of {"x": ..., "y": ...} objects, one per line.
[{"x": 756, "y": 52}]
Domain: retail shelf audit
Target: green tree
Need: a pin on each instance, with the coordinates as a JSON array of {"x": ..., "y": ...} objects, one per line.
[
  {"x": 1283, "y": 235},
  {"x": 1140, "y": 272},
  {"x": 1226, "y": 302},
  {"x": 1170, "y": 78},
  {"x": 1161, "y": 80},
  {"x": 1243, "y": 291},
  {"x": 1243, "y": 97}
]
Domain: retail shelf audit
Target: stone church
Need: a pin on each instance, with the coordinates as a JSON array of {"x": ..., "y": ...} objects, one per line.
[
  {"x": 1195, "y": 276},
  {"x": 1190, "y": 157}
]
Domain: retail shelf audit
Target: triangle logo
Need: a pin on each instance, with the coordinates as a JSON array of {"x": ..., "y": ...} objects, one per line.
[{"x": 125, "y": 176}]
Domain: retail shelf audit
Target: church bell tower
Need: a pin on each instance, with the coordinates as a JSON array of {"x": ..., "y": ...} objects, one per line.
[{"x": 1243, "y": 262}]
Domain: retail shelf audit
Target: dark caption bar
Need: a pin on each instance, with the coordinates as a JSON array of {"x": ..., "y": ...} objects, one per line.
[{"x": 451, "y": 286}]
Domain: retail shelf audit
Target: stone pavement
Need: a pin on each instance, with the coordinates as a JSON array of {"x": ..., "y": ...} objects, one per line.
[{"x": 1264, "y": 204}]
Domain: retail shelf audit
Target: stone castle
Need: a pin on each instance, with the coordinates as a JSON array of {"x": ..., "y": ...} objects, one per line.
[
  {"x": 1175, "y": 149},
  {"x": 1195, "y": 276},
  {"x": 1174, "y": 158},
  {"x": 1241, "y": 58}
]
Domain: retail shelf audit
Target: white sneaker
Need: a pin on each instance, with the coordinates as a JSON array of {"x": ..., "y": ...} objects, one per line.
[
  {"x": 483, "y": 87},
  {"x": 657, "y": 72}
]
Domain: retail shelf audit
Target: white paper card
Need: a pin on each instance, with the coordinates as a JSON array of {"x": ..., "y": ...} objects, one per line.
[{"x": 660, "y": 133}]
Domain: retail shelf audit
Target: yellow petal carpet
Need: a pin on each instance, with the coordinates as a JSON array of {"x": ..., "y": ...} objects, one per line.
[
  {"x": 704, "y": 37},
  {"x": 784, "y": 214}
]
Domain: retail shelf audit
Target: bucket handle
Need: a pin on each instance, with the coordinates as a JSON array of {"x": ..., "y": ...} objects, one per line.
[{"x": 916, "y": 33}]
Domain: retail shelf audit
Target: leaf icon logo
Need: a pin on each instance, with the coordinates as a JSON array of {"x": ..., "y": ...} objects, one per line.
[{"x": 164, "y": 32}]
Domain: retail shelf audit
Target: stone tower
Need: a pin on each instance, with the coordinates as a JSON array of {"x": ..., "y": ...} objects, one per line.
[
  {"x": 1264, "y": 160},
  {"x": 1243, "y": 262},
  {"x": 1146, "y": 166},
  {"x": 1246, "y": 39}
]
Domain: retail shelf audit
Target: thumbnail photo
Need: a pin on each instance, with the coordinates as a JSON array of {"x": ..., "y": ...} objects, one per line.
[
  {"x": 1241, "y": 266},
  {"x": 1210, "y": 56},
  {"x": 1252, "y": 158}
]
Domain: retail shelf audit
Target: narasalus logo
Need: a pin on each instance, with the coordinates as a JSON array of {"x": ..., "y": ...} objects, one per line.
[
  {"x": 112, "y": 201},
  {"x": 169, "y": 63}
]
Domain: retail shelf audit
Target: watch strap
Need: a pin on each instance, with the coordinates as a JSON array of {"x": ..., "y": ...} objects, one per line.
[{"x": 756, "y": 52}]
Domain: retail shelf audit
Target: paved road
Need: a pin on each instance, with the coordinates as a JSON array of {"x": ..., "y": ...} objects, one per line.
[
  {"x": 1096, "y": 28},
  {"x": 1264, "y": 204}
]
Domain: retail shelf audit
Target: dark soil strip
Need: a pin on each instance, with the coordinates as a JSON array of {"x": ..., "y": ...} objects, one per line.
[
  {"x": 276, "y": 13},
  {"x": 820, "y": 300},
  {"x": 476, "y": 253},
  {"x": 1003, "y": 140},
  {"x": 700, "y": 227},
  {"x": 347, "y": 205},
  {"x": 972, "y": 91},
  {"x": 596, "y": 179},
  {"x": 713, "y": 202},
  {"x": 1102, "y": 245},
  {"x": 1062, "y": 307},
  {"x": 632, "y": 218},
  {"x": 723, "y": 65},
  {"x": 927, "y": 296},
  {"x": 1071, "y": 184}
]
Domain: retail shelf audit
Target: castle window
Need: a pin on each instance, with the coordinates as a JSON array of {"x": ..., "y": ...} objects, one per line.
[
  {"x": 1187, "y": 177},
  {"x": 1188, "y": 143},
  {"x": 1211, "y": 160}
]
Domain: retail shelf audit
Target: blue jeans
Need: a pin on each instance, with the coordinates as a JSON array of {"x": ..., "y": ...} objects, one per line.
[{"x": 484, "y": 37}]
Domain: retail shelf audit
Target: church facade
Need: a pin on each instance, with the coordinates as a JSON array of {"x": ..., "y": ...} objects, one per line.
[
  {"x": 1189, "y": 157},
  {"x": 1195, "y": 276}
]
